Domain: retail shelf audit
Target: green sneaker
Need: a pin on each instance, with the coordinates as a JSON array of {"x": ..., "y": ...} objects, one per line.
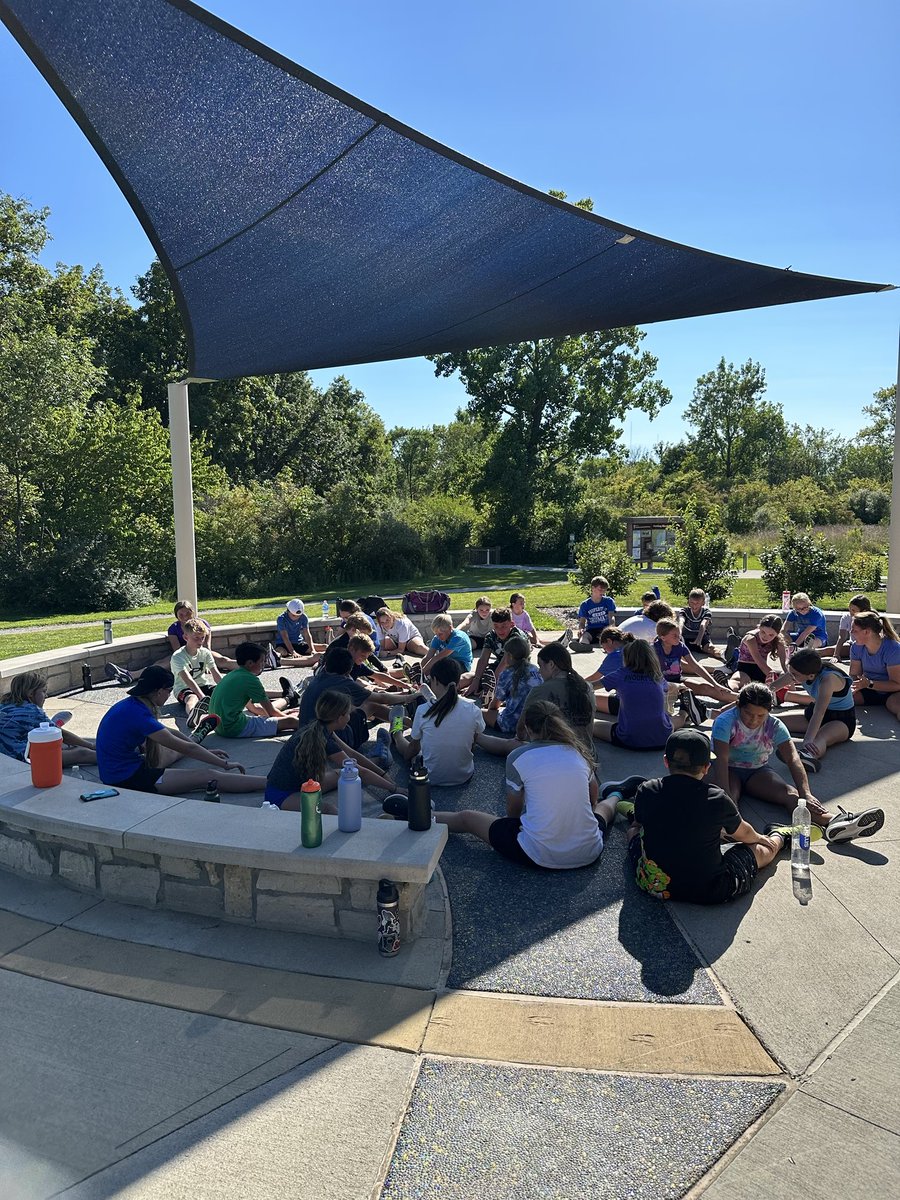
[
  {"x": 395, "y": 719},
  {"x": 815, "y": 833},
  {"x": 625, "y": 808}
]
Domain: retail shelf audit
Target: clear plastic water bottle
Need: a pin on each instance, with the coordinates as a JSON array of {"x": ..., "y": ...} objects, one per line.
[
  {"x": 801, "y": 879},
  {"x": 349, "y": 798},
  {"x": 785, "y": 601},
  {"x": 326, "y": 610}
]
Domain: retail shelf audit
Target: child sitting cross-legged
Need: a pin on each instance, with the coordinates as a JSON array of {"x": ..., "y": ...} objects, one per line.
[
  {"x": 195, "y": 671},
  {"x": 316, "y": 751},
  {"x": 679, "y": 823}
]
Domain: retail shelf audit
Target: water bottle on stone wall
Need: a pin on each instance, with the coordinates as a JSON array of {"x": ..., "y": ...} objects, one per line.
[{"x": 349, "y": 798}]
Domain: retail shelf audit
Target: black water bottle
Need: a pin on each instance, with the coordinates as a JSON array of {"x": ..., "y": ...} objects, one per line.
[
  {"x": 419, "y": 809},
  {"x": 212, "y": 792},
  {"x": 388, "y": 905},
  {"x": 87, "y": 682}
]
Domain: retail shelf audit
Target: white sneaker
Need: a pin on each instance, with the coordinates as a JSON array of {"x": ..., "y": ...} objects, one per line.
[{"x": 846, "y": 826}]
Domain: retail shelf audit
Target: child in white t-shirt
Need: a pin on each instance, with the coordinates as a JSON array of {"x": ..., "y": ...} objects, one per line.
[{"x": 195, "y": 671}]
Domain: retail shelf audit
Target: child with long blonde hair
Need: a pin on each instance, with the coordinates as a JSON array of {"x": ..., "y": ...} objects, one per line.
[{"x": 22, "y": 709}]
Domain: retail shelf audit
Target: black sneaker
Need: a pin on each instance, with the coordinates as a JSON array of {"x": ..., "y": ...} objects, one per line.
[
  {"x": 786, "y": 829},
  {"x": 731, "y": 646},
  {"x": 119, "y": 674},
  {"x": 396, "y": 807},
  {"x": 627, "y": 787},
  {"x": 846, "y": 826},
  {"x": 811, "y": 764},
  {"x": 289, "y": 692},
  {"x": 273, "y": 662},
  {"x": 720, "y": 675},
  {"x": 565, "y": 637},
  {"x": 205, "y": 726}
]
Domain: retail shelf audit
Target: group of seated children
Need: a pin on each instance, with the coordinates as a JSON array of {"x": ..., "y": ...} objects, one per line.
[{"x": 544, "y": 718}]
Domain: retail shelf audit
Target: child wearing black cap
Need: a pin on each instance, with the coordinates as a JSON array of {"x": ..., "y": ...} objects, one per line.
[{"x": 677, "y": 827}]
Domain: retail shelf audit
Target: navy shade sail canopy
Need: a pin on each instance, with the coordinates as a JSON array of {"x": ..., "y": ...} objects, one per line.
[{"x": 302, "y": 228}]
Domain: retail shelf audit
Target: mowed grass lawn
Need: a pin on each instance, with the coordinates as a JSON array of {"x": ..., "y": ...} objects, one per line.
[{"x": 464, "y": 588}]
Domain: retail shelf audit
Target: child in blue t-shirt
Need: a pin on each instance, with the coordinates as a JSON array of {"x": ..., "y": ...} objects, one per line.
[
  {"x": 805, "y": 623},
  {"x": 596, "y": 612}
]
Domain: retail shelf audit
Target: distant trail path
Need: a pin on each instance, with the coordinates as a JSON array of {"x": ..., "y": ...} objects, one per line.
[{"x": 262, "y": 606}]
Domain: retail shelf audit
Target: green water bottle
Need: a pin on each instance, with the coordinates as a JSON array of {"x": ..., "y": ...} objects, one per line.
[{"x": 310, "y": 815}]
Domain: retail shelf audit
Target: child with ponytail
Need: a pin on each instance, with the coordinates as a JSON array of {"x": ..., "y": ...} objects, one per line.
[
  {"x": 554, "y": 817},
  {"x": 443, "y": 732},
  {"x": 563, "y": 686},
  {"x": 316, "y": 751}
]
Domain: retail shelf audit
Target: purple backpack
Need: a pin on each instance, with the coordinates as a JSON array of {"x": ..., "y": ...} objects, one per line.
[{"x": 416, "y": 603}]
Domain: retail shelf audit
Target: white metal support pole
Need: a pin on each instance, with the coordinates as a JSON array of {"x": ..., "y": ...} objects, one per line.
[
  {"x": 893, "y": 586},
  {"x": 182, "y": 491}
]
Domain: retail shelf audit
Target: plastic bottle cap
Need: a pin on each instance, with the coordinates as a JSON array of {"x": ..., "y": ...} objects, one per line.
[
  {"x": 801, "y": 802},
  {"x": 311, "y": 785},
  {"x": 46, "y": 732}
]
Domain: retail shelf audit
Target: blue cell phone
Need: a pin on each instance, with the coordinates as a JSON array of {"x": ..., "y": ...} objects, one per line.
[{"x": 100, "y": 794}]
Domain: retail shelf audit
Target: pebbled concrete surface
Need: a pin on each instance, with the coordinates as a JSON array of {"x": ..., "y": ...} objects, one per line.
[{"x": 475, "y": 1130}]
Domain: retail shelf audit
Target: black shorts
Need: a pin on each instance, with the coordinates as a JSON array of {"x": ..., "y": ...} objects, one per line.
[
  {"x": 846, "y": 716},
  {"x": 144, "y": 779},
  {"x": 752, "y": 671},
  {"x": 699, "y": 648},
  {"x": 296, "y": 648},
  {"x": 871, "y": 697},
  {"x": 739, "y": 869},
  {"x": 612, "y": 701},
  {"x": 206, "y": 688},
  {"x": 617, "y": 741},
  {"x": 503, "y": 836},
  {"x": 595, "y": 634},
  {"x": 477, "y": 642}
]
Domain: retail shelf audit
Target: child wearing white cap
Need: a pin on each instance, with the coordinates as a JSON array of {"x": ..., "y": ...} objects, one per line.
[{"x": 293, "y": 640}]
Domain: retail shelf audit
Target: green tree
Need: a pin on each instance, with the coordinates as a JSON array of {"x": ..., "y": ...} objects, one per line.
[
  {"x": 702, "y": 555},
  {"x": 599, "y": 556},
  {"x": 550, "y": 402},
  {"x": 736, "y": 431},
  {"x": 871, "y": 454}
]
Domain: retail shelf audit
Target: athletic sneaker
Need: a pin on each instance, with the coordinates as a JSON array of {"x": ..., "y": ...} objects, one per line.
[
  {"x": 732, "y": 642},
  {"x": 397, "y": 807},
  {"x": 119, "y": 674},
  {"x": 426, "y": 691},
  {"x": 273, "y": 662},
  {"x": 565, "y": 637},
  {"x": 382, "y": 752},
  {"x": 487, "y": 686},
  {"x": 815, "y": 832},
  {"x": 200, "y": 709},
  {"x": 413, "y": 672},
  {"x": 625, "y": 808},
  {"x": 59, "y": 719},
  {"x": 289, "y": 692},
  {"x": 395, "y": 718},
  {"x": 205, "y": 726},
  {"x": 846, "y": 826},
  {"x": 694, "y": 708},
  {"x": 580, "y": 647},
  {"x": 811, "y": 764},
  {"x": 625, "y": 787},
  {"x": 720, "y": 675}
]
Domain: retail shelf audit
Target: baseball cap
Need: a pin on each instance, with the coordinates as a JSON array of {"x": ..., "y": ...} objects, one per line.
[
  {"x": 687, "y": 749},
  {"x": 295, "y": 607}
]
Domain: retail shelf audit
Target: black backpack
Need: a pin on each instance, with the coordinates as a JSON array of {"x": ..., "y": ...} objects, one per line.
[{"x": 370, "y": 604}]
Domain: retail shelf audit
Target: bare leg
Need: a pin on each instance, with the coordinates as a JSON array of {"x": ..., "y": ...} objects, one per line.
[
  {"x": 404, "y": 747},
  {"x": 497, "y": 745},
  {"x": 767, "y": 785},
  {"x": 469, "y": 820},
  {"x": 192, "y": 779},
  {"x": 601, "y": 701},
  {"x": 73, "y": 755},
  {"x": 701, "y": 688},
  {"x": 832, "y": 733}
]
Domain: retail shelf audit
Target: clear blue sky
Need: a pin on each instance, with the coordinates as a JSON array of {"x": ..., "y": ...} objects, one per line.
[{"x": 761, "y": 129}]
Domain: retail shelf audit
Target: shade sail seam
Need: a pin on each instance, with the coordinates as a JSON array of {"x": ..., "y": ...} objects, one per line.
[
  {"x": 509, "y": 300},
  {"x": 281, "y": 203}
]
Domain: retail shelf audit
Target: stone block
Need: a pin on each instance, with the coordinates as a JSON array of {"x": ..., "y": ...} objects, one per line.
[
  {"x": 133, "y": 885},
  {"x": 103, "y": 854},
  {"x": 213, "y": 873},
  {"x": 309, "y": 914},
  {"x": 238, "y": 892},
  {"x": 136, "y": 856},
  {"x": 363, "y": 893},
  {"x": 180, "y": 868},
  {"x": 361, "y": 926},
  {"x": 283, "y": 881},
  {"x": 24, "y": 857},
  {"x": 193, "y": 898},
  {"x": 78, "y": 870}
]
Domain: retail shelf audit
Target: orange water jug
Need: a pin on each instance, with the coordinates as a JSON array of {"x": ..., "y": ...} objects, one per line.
[{"x": 45, "y": 755}]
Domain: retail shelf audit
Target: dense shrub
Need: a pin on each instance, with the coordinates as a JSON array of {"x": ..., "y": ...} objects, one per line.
[
  {"x": 78, "y": 576},
  {"x": 803, "y": 562},
  {"x": 872, "y": 506},
  {"x": 702, "y": 556},
  {"x": 597, "y": 556}
]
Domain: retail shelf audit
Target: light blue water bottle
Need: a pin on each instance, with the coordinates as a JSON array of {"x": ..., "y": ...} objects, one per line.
[
  {"x": 325, "y": 610},
  {"x": 349, "y": 798}
]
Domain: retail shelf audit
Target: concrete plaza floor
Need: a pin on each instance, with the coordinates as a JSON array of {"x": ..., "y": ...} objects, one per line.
[{"x": 551, "y": 1035}]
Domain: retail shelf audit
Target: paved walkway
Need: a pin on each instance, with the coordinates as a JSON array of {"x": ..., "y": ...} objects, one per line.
[{"x": 559, "y": 1036}]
